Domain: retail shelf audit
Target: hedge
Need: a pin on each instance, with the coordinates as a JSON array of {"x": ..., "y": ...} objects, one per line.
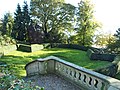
[
  {"x": 98, "y": 56},
  {"x": 103, "y": 57},
  {"x": 70, "y": 46}
]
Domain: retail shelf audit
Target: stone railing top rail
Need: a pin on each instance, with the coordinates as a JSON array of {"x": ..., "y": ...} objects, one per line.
[{"x": 112, "y": 81}]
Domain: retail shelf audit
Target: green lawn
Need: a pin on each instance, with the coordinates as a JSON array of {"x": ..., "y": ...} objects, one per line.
[{"x": 17, "y": 59}]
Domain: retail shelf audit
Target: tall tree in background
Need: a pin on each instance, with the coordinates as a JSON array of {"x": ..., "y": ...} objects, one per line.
[
  {"x": 7, "y": 24},
  {"x": 115, "y": 46},
  {"x": 26, "y": 20},
  {"x": 86, "y": 23},
  {"x": 18, "y": 24},
  {"x": 103, "y": 39},
  {"x": 53, "y": 17},
  {"x": 21, "y": 22}
]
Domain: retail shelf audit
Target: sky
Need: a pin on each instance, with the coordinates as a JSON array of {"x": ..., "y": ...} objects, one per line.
[{"x": 106, "y": 11}]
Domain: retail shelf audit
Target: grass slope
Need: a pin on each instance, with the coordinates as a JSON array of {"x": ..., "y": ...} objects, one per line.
[{"x": 17, "y": 59}]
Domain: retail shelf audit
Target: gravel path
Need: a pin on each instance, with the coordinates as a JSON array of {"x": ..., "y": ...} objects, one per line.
[{"x": 52, "y": 82}]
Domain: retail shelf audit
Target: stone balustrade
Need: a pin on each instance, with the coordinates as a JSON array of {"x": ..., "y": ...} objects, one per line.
[{"x": 82, "y": 77}]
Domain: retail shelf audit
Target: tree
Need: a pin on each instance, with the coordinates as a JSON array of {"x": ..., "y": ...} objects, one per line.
[
  {"x": 103, "y": 39},
  {"x": 18, "y": 25},
  {"x": 86, "y": 23},
  {"x": 26, "y": 19},
  {"x": 115, "y": 46},
  {"x": 7, "y": 24},
  {"x": 54, "y": 17},
  {"x": 22, "y": 20}
]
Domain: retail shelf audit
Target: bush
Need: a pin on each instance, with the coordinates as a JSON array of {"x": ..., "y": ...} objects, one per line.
[
  {"x": 103, "y": 57},
  {"x": 97, "y": 56},
  {"x": 72, "y": 46},
  {"x": 10, "y": 82},
  {"x": 110, "y": 70}
]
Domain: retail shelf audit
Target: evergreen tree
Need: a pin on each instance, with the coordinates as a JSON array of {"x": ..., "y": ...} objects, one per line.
[
  {"x": 26, "y": 19},
  {"x": 18, "y": 25}
]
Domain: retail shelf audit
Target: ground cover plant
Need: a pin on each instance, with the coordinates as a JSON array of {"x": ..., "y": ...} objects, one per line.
[{"x": 17, "y": 60}]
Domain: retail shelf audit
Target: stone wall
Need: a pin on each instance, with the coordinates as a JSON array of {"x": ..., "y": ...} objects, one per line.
[{"x": 82, "y": 77}]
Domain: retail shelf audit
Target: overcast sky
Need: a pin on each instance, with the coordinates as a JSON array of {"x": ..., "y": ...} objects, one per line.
[{"x": 106, "y": 11}]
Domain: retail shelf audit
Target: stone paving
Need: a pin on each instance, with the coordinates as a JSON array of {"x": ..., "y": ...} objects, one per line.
[{"x": 52, "y": 82}]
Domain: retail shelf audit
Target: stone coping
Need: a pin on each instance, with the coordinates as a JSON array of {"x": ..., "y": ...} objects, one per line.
[{"x": 112, "y": 81}]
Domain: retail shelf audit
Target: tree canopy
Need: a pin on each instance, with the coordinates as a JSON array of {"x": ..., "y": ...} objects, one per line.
[
  {"x": 86, "y": 23},
  {"x": 53, "y": 17}
]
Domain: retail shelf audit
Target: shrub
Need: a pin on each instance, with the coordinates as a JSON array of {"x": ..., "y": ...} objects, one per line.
[
  {"x": 103, "y": 57},
  {"x": 10, "y": 82},
  {"x": 72, "y": 46}
]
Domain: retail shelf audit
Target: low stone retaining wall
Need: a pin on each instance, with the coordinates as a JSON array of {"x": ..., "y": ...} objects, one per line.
[
  {"x": 7, "y": 49},
  {"x": 98, "y": 56},
  {"x": 80, "y": 76},
  {"x": 29, "y": 48}
]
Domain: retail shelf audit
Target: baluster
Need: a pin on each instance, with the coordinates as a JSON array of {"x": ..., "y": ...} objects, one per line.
[
  {"x": 88, "y": 80},
  {"x": 56, "y": 66},
  {"x": 99, "y": 85},
  {"x": 82, "y": 78},
  {"x": 93, "y": 83},
  {"x": 77, "y": 75},
  {"x": 66, "y": 70}
]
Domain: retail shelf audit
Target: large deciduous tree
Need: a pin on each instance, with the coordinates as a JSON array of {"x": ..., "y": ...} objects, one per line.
[
  {"x": 86, "y": 23},
  {"x": 54, "y": 17}
]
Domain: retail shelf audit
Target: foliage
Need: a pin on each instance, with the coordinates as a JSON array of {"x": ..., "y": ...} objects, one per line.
[
  {"x": 103, "y": 39},
  {"x": 7, "y": 24},
  {"x": 86, "y": 23},
  {"x": 18, "y": 27},
  {"x": 53, "y": 17},
  {"x": 5, "y": 40},
  {"x": 115, "y": 46},
  {"x": 21, "y": 22},
  {"x": 26, "y": 19},
  {"x": 35, "y": 35},
  {"x": 11, "y": 82}
]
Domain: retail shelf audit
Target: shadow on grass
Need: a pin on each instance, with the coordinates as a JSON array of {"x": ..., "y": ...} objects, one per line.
[{"x": 18, "y": 60}]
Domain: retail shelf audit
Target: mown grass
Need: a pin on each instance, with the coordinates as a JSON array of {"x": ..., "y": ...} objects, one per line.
[{"x": 17, "y": 60}]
